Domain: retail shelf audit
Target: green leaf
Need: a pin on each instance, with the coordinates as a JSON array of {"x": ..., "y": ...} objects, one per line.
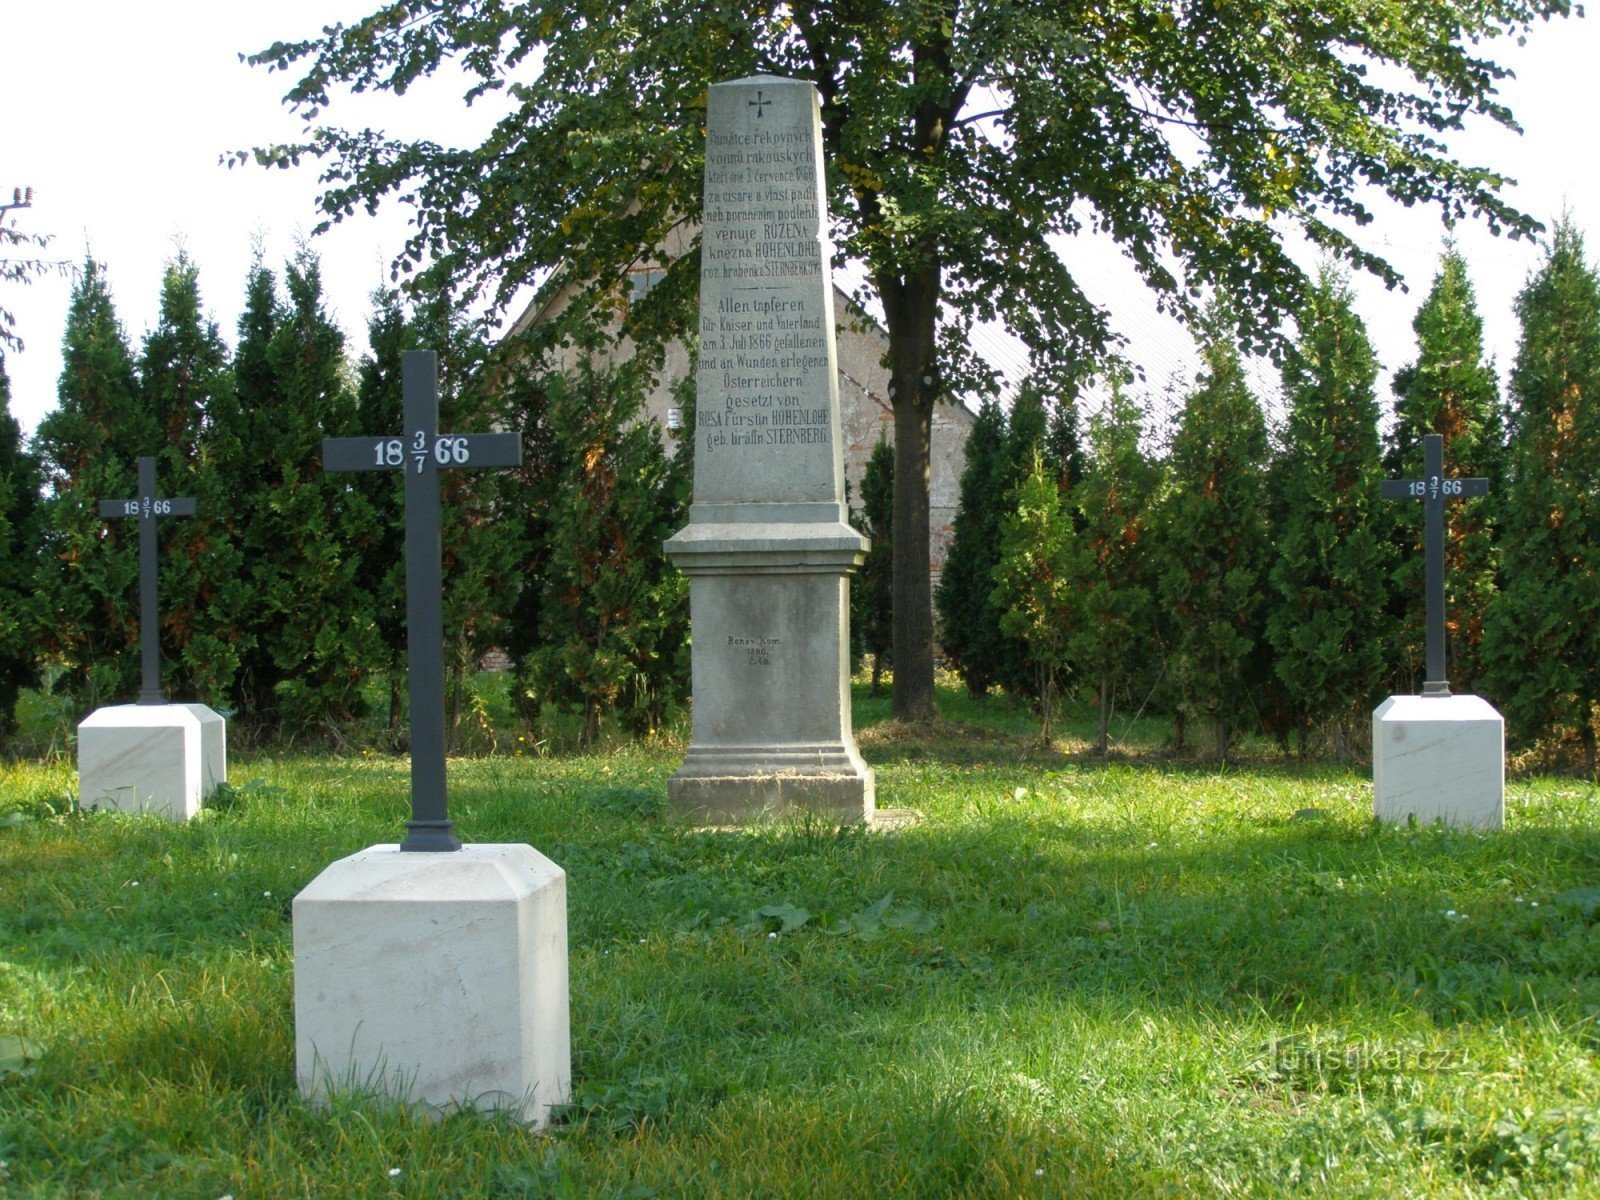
[
  {"x": 788, "y": 916},
  {"x": 17, "y": 1056},
  {"x": 913, "y": 920},
  {"x": 1585, "y": 901},
  {"x": 873, "y": 913}
]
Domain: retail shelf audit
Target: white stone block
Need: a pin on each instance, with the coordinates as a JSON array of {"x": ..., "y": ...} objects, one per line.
[
  {"x": 1439, "y": 758},
  {"x": 439, "y": 979},
  {"x": 160, "y": 758}
]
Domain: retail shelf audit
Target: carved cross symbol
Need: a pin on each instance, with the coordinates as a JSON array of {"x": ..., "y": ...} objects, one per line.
[{"x": 759, "y": 104}]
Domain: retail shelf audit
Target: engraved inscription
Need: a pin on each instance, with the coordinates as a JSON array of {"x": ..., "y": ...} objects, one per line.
[
  {"x": 757, "y": 649},
  {"x": 763, "y": 341}
]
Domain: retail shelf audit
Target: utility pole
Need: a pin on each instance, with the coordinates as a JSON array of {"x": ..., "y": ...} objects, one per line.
[{"x": 20, "y": 198}]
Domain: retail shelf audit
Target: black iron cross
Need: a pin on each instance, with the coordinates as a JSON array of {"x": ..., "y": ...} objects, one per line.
[
  {"x": 1433, "y": 490},
  {"x": 422, "y": 452},
  {"x": 147, "y": 506},
  {"x": 759, "y": 105}
]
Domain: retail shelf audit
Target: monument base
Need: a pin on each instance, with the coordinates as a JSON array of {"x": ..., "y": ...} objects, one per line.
[
  {"x": 156, "y": 758},
  {"x": 1439, "y": 758},
  {"x": 438, "y": 980},
  {"x": 715, "y": 787},
  {"x": 769, "y": 611}
]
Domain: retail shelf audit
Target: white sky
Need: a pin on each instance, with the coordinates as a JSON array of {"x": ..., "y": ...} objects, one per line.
[{"x": 116, "y": 114}]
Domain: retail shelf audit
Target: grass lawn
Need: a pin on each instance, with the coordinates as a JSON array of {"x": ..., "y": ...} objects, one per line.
[{"x": 1067, "y": 980}]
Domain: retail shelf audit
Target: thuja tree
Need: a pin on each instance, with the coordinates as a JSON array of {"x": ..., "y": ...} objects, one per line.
[
  {"x": 1451, "y": 391},
  {"x": 1033, "y": 582},
  {"x": 1027, "y": 441},
  {"x": 89, "y": 446},
  {"x": 1542, "y": 644},
  {"x": 381, "y": 554},
  {"x": 525, "y": 405},
  {"x": 306, "y": 637},
  {"x": 962, "y": 138},
  {"x": 467, "y": 501},
  {"x": 1063, "y": 444},
  {"x": 323, "y": 641},
  {"x": 1329, "y": 573},
  {"x": 1213, "y": 548},
  {"x": 613, "y": 619},
  {"x": 240, "y": 431},
  {"x": 186, "y": 377},
  {"x": 969, "y": 630},
  {"x": 1113, "y": 569},
  {"x": 482, "y": 554},
  {"x": 21, "y": 610}
]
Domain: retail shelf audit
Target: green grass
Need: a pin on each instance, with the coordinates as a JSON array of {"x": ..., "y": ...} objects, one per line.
[{"x": 1068, "y": 979}]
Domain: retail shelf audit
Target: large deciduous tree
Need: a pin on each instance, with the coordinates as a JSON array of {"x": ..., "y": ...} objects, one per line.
[
  {"x": 962, "y": 139},
  {"x": 20, "y": 264}
]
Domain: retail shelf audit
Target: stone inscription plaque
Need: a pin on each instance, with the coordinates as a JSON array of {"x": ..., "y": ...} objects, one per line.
[{"x": 767, "y": 410}]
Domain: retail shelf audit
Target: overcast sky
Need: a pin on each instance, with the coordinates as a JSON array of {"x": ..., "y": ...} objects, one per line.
[{"x": 117, "y": 114}]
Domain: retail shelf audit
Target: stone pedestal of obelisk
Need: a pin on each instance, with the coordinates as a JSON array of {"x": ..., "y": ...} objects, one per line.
[{"x": 767, "y": 549}]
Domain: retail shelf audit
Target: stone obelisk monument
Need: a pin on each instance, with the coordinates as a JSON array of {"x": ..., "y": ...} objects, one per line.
[{"x": 767, "y": 549}]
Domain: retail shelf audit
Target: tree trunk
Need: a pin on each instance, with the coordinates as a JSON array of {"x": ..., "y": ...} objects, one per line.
[
  {"x": 911, "y": 310},
  {"x": 1102, "y": 741},
  {"x": 1222, "y": 739},
  {"x": 1047, "y": 701}
]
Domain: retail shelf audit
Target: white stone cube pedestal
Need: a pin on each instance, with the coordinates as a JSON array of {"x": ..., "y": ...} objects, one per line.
[
  {"x": 1439, "y": 758},
  {"x": 438, "y": 979},
  {"x": 160, "y": 758}
]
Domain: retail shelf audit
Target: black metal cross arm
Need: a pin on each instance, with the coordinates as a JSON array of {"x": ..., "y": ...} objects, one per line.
[
  {"x": 1434, "y": 487},
  {"x": 147, "y": 506},
  {"x": 446, "y": 450}
]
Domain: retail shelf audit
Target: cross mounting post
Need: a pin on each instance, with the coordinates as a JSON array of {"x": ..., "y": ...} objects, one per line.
[
  {"x": 421, "y": 452},
  {"x": 148, "y": 508},
  {"x": 1433, "y": 489}
]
